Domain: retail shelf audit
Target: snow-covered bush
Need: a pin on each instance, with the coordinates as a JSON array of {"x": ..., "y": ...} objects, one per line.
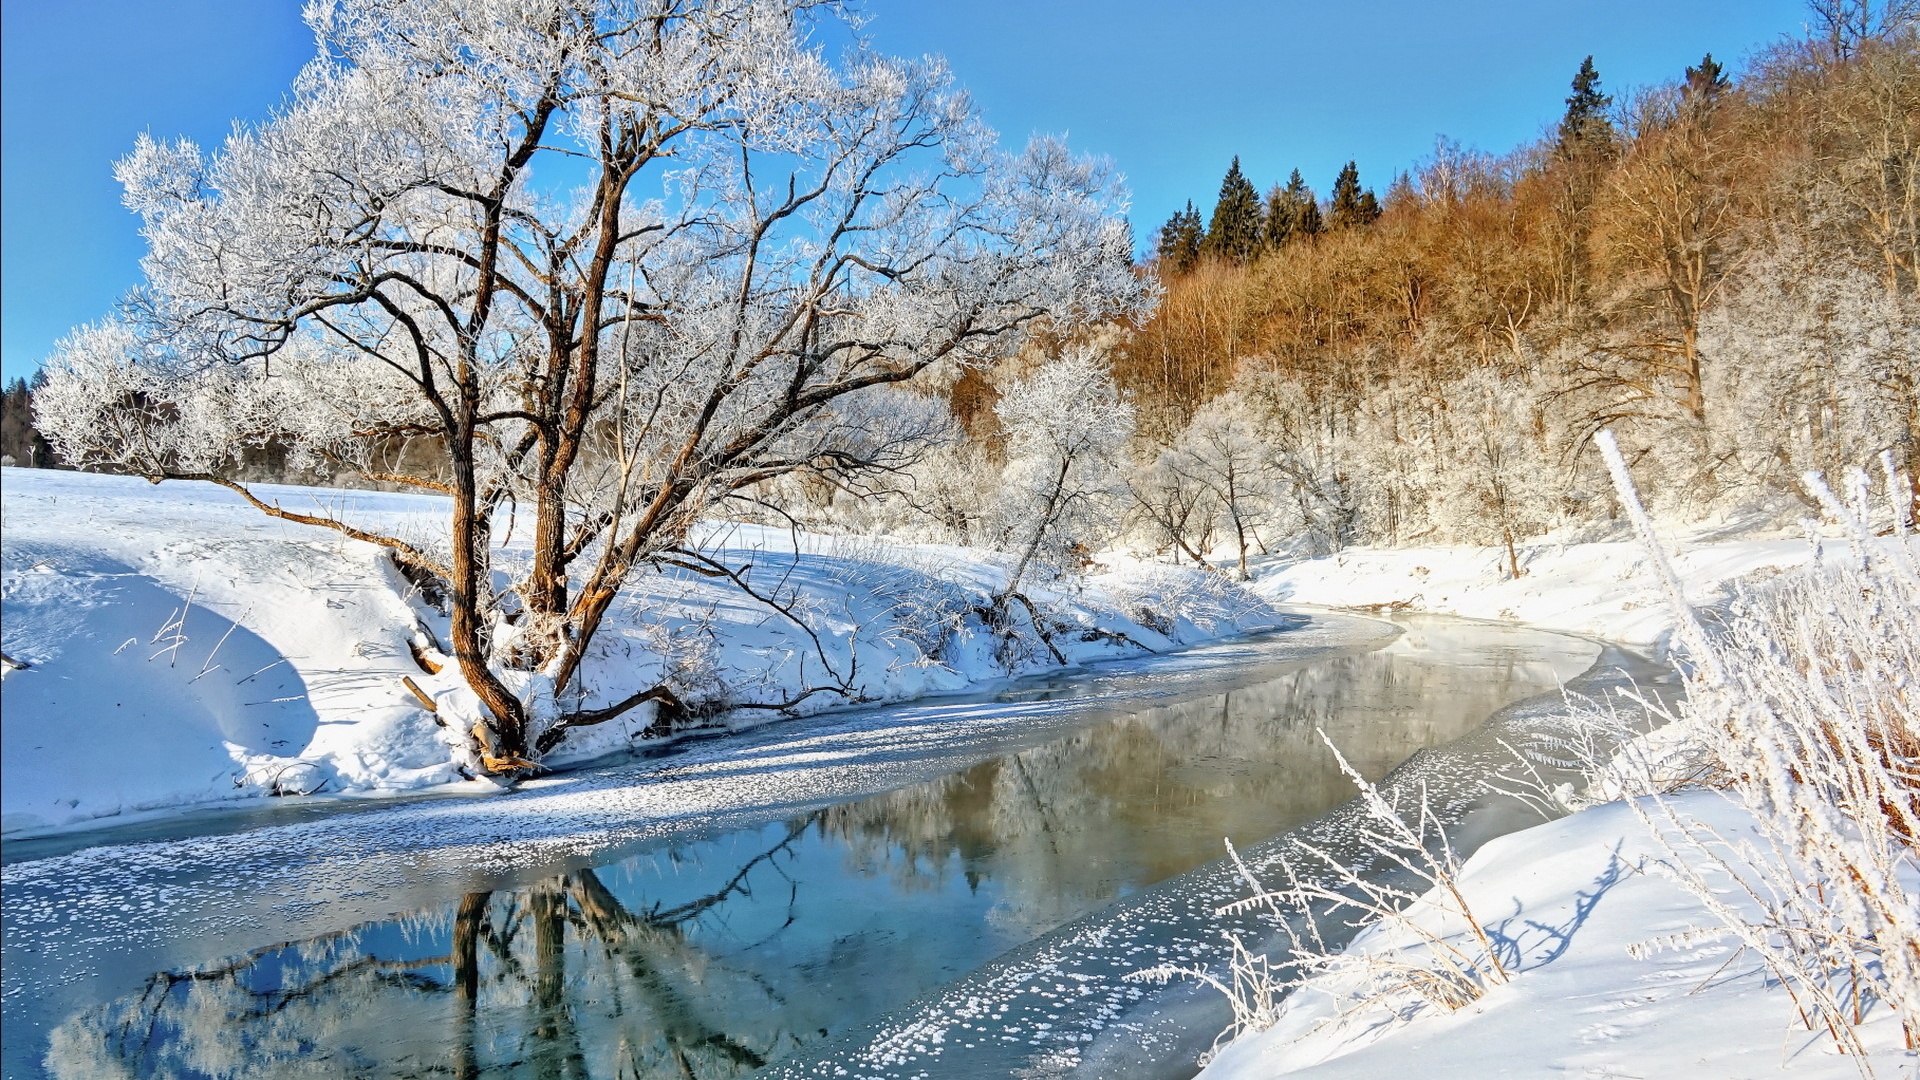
[
  {"x": 1169, "y": 601},
  {"x": 1805, "y": 711}
]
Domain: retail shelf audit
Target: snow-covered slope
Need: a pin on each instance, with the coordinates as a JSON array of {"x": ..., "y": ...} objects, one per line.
[
  {"x": 1567, "y": 899},
  {"x": 186, "y": 649}
]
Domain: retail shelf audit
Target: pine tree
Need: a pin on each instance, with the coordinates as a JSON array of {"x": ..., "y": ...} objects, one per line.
[
  {"x": 1291, "y": 212},
  {"x": 20, "y": 440},
  {"x": 1179, "y": 247},
  {"x": 1237, "y": 230},
  {"x": 1705, "y": 84},
  {"x": 1311, "y": 223},
  {"x": 1585, "y": 126},
  {"x": 1280, "y": 218},
  {"x": 1351, "y": 205}
]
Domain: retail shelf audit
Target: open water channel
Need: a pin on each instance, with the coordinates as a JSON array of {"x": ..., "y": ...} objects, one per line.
[{"x": 948, "y": 888}]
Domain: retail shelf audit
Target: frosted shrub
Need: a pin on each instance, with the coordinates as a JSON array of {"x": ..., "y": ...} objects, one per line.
[
  {"x": 1154, "y": 597},
  {"x": 1422, "y": 945},
  {"x": 1808, "y": 704},
  {"x": 924, "y": 610}
]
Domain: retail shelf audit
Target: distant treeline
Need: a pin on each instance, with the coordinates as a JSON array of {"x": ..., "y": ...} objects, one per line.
[{"x": 1721, "y": 268}]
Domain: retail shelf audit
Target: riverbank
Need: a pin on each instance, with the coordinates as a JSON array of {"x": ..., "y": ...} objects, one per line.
[
  {"x": 1598, "y": 589},
  {"x": 185, "y": 650},
  {"x": 1572, "y": 898},
  {"x": 1612, "y": 967},
  {"x": 944, "y": 833}
]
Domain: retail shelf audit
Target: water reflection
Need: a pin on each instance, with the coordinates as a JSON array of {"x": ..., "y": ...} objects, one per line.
[
  {"x": 711, "y": 957},
  {"x": 565, "y": 978}
]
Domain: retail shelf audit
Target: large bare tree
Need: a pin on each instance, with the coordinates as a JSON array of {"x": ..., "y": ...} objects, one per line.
[{"x": 611, "y": 261}]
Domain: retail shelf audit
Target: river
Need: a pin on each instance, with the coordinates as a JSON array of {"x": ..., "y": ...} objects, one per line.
[{"x": 950, "y": 887}]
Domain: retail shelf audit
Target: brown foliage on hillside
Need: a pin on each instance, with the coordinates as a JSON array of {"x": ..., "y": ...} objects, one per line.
[{"x": 1727, "y": 275}]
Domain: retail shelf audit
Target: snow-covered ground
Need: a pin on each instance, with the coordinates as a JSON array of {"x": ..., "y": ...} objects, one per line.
[
  {"x": 1602, "y": 590},
  {"x": 185, "y": 649},
  {"x": 1566, "y": 901}
]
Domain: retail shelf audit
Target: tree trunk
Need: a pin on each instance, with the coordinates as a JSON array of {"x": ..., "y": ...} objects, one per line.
[
  {"x": 556, "y": 1050},
  {"x": 471, "y": 531}
]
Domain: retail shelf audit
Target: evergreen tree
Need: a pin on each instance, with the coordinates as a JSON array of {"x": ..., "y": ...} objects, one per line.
[
  {"x": 1237, "y": 230},
  {"x": 1705, "y": 83},
  {"x": 1179, "y": 247},
  {"x": 1585, "y": 126},
  {"x": 1351, "y": 204},
  {"x": 1280, "y": 218},
  {"x": 1311, "y": 223},
  {"x": 1291, "y": 212},
  {"x": 20, "y": 440}
]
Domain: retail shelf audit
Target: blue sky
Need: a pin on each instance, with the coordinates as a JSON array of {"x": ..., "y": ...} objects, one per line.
[{"x": 1169, "y": 91}]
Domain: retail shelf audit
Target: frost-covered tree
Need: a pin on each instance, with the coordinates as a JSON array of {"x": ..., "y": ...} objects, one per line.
[
  {"x": 1498, "y": 484},
  {"x": 1817, "y": 372},
  {"x": 1308, "y": 439},
  {"x": 1223, "y": 454},
  {"x": 614, "y": 260},
  {"x": 1067, "y": 432},
  {"x": 1173, "y": 508}
]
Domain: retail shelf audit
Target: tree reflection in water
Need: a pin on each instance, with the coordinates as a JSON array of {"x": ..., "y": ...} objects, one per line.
[{"x": 560, "y": 979}]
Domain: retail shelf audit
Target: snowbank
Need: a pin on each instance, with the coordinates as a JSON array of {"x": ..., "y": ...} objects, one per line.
[
  {"x": 1569, "y": 898},
  {"x": 1603, "y": 590},
  {"x": 185, "y": 649}
]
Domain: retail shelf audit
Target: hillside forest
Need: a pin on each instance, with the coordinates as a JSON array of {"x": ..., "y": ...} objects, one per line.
[{"x": 1723, "y": 269}]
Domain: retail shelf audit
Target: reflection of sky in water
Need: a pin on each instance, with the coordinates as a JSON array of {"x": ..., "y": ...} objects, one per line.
[{"x": 711, "y": 957}]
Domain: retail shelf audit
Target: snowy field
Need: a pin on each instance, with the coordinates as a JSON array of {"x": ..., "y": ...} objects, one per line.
[{"x": 185, "y": 649}]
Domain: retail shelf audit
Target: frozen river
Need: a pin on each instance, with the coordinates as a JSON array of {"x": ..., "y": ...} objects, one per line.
[{"x": 952, "y": 887}]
